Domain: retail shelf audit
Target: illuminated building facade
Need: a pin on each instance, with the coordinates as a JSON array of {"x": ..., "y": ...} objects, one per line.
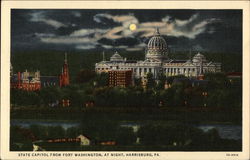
[
  {"x": 122, "y": 78},
  {"x": 158, "y": 63},
  {"x": 29, "y": 81}
]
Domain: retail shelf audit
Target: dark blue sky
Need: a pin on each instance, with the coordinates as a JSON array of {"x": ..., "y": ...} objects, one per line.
[{"x": 69, "y": 30}]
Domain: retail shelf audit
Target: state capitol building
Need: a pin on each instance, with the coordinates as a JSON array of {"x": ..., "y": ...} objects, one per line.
[{"x": 157, "y": 62}]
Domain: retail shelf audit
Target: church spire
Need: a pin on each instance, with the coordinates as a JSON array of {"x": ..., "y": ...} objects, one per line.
[{"x": 64, "y": 77}]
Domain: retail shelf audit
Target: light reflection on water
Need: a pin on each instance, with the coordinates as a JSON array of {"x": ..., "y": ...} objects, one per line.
[
  {"x": 27, "y": 123},
  {"x": 225, "y": 131}
]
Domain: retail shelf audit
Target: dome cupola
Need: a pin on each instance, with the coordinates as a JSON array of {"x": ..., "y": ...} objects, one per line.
[
  {"x": 198, "y": 58},
  {"x": 116, "y": 57},
  {"x": 157, "y": 47}
]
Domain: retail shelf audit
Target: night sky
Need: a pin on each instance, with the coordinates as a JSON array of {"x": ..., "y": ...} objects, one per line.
[{"x": 79, "y": 30}]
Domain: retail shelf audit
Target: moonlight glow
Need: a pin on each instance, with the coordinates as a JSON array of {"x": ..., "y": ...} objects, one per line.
[{"x": 132, "y": 27}]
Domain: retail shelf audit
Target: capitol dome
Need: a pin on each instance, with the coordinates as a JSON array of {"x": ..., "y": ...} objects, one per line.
[
  {"x": 157, "y": 47},
  {"x": 198, "y": 58}
]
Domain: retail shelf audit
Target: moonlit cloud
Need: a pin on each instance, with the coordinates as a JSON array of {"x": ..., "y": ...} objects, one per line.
[
  {"x": 40, "y": 17},
  {"x": 44, "y": 35},
  {"x": 185, "y": 22},
  {"x": 85, "y": 47},
  {"x": 123, "y": 30},
  {"x": 109, "y": 29},
  {"x": 139, "y": 47},
  {"x": 85, "y": 32},
  {"x": 107, "y": 46},
  {"x": 188, "y": 28},
  {"x": 125, "y": 20},
  {"x": 67, "y": 40},
  {"x": 76, "y": 14}
]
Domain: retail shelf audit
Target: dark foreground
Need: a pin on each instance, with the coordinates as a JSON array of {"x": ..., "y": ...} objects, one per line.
[{"x": 161, "y": 129}]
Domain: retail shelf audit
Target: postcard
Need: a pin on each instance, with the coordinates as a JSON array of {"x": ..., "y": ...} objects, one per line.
[{"x": 125, "y": 80}]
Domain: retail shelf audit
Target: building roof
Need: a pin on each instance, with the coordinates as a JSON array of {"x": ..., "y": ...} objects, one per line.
[
  {"x": 116, "y": 57},
  {"x": 178, "y": 61}
]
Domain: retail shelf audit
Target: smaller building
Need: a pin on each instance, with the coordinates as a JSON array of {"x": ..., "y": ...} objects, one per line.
[
  {"x": 84, "y": 141},
  {"x": 65, "y": 102},
  {"x": 121, "y": 78},
  {"x": 29, "y": 81}
]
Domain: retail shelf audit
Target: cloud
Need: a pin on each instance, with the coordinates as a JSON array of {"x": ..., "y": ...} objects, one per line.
[
  {"x": 120, "y": 31},
  {"x": 76, "y": 14},
  {"x": 134, "y": 49},
  {"x": 44, "y": 35},
  {"x": 125, "y": 20},
  {"x": 185, "y": 22},
  {"x": 86, "y": 32},
  {"x": 139, "y": 47},
  {"x": 189, "y": 28},
  {"x": 85, "y": 47},
  {"x": 40, "y": 17},
  {"x": 67, "y": 40},
  {"x": 89, "y": 38},
  {"x": 107, "y": 46}
]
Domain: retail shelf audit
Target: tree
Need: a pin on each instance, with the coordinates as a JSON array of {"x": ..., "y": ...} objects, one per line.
[
  {"x": 72, "y": 132},
  {"x": 137, "y": 81},
  {"x": 19, "y": 139},
  {"x": 39, "y": 131},
  {"x": 168, "y": 97},
  {"x": 100, "y": 128},
  {"x": 125, "y": 136},
  {"x": 161, "y": 82},
  {"x": 85, "y": 75},
  {"x": 150, "y": 81},
  {"x": 21, "y": 97},
  {"x": 216, "y": 80},
  {"x": 76, "y": 98},
  {"x": 102, "y": 79},
  {"x": 56, "y": 132},
  {"x": 213, "y": 137},
  {"x": 50, "y": 95}
]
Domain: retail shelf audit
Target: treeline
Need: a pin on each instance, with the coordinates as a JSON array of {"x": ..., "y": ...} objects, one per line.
[
  {"x": 175, "y": 135},
  {"x": 50, "y": 62},
  {"x": 218, "y": 92}
]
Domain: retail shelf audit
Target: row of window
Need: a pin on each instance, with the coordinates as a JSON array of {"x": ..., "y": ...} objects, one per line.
[{"x": 178, "y": 70}]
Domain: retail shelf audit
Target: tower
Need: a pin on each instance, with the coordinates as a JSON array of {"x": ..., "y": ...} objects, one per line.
[{"x": 64, "y": 77}]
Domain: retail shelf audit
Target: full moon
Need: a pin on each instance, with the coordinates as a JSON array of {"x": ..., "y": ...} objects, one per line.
[{"x": 132, "y": 27}]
